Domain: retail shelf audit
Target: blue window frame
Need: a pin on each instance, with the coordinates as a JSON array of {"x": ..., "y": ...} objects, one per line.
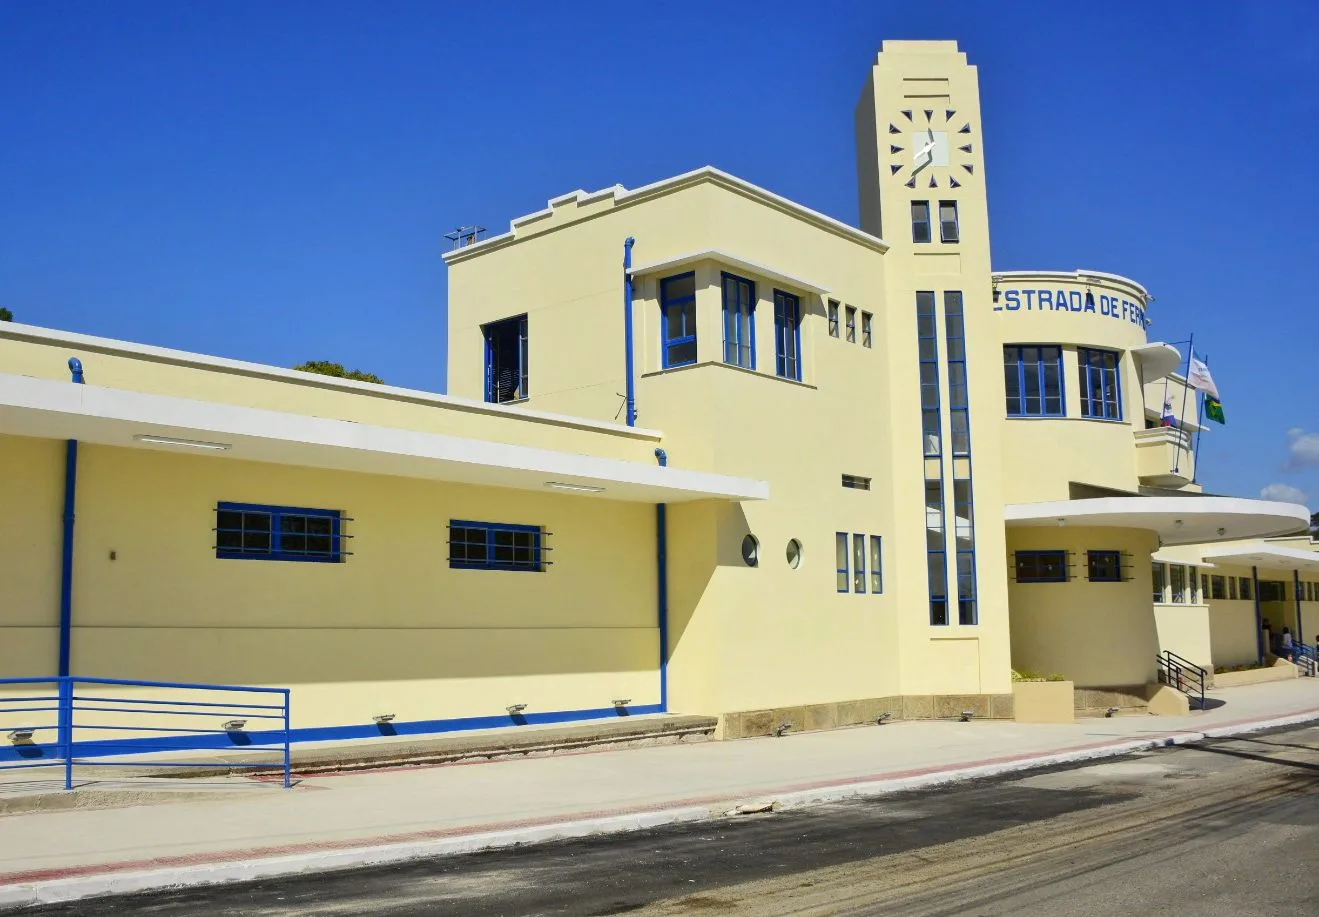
[
  {"x": 257, "y": 531},
  {"x": 1104, "y": 566},
  {"x": 495, "y": 546},
  {"x": 859, "y": 564},
  {"x": 959, "y": 413},
  {"x": 678, "y": 316},
  {"x": 1033, "y": 378},
  {"x": 1101, "y": 384},
  {"x": 936, "y": 552},
  {"x": 840, "y": 551},
  {"x": 965, "y": 540},
  {"x": 876, "y": 565},
  {"x": 506, "y": 359},
  {"x": 739, "y": 321},
  {"x": 787, "y": 335},
  {"x": 928, "y": 342},
  {"x": 1041, "y": 566}
]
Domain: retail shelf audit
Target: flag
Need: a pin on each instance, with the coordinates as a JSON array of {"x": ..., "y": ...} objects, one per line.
[
  {"x": 1169, "y": 419},
  {"x": 1214, "y": 410},
  {"x": 1198, "y": 378}
]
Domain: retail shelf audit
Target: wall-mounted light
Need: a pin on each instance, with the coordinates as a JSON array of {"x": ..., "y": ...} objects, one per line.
[
  {"x": 622, "y": 702},
  {"x": 1061, "y": 522},
  {"x": 575, "y": 488},
  {"x": 1178, "y": 522},
  {"x": 782, "y": 729},
  {"x": 381, "y": 719},
  {"x": 172, "y": 441},
  {"x": 1222, "y": 532},
  {"x": 1111, "y": 711},
  {"x": 515, "y": 709},
  {"x": 19, "y": 736},
  {"x": 234, "y": 725},
  {"x": 967, "y": 715}
]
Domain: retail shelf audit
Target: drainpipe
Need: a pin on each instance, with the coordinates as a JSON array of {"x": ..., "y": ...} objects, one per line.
[
  {"x": 1300, "y": 627},
  {"x": 662, "y": 588},
  {"x": 627, "y": 333},
  {"x": 1259, "y": 615},
  {"x": 66, "y": 570}
]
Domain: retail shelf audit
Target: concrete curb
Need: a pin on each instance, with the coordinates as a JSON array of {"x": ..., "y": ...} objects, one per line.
[{"x": 111, "y": 882}]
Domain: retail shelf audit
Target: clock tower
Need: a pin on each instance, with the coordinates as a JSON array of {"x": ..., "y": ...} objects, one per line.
[{"x": 920, "y": 165}]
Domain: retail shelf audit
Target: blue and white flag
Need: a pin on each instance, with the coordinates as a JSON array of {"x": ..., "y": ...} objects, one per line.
[{"x": 1169, "y": 418}]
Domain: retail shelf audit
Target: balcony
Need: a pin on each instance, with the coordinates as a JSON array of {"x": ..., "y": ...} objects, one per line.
[{"x": 1163, "y": 457}]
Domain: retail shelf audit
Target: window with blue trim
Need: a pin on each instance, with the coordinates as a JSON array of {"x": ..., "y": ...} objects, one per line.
[
  {"x": 1104, "y": 566},
  {"x": 852, "y": 551},
  {"x": 965, "y": 540},
  {"x": 959, "y": 414},
  {"x": 876, "y": 565},
  {"x": 506, "y": 359},
  {"x": 928, "y": 342},
  {"x": 739, "y": 321},
  {"x": 840, "y": 550},
  {"x": 495, "y": 546},
  {"x": 1101, "y": 384},
  {"x": 256, "y": 531},
  {"x": 678, "y": 316},
  {"x": 1041, "y": 566},
  {"x": 787, "y": 335},
  {"x": 936, "y": 552},
  {"x": 1033, "y": 378}
]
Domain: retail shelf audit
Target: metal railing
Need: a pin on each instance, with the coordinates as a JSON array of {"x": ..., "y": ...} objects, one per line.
[
  {"x": 1184, "y": 675},
  {"x": 1306, "y": 658},
  {"x": 84, "y": 722}
]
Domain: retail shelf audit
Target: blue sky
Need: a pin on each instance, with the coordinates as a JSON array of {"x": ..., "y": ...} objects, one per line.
[{"x": 272, "y": 181}]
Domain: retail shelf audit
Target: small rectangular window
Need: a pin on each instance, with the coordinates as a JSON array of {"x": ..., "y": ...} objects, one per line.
[
  {"x": 920, "y": 221},
  {"x": 1033, "y": 380},
  {"x": 495, "y": 546},
  {"x": 865, "y": 328},
  {"x": 739, "y": 321},
  {"x": 1160, "y": 575},
  {"x": 1204, "y": 587},
  {"x": 1104, "y": 566},
  {"x": 678, "y": 318},
  {"x": 787, "y": 336},
  {"x": 254, "y": 531},
  {"x": 856, "y": 482},
  {"x": 833, "y": 318},
  {"x": 876, "y": 565},
  {"x": 1217, "y": 587},
  {"x": 851, "y": 324},
  {"x": 1232, "y": 588},
  {"x": 840, "y": 550},
  {"x": 1245, "y": 587},
  {"x": 1272, "y": 591},
  {"x": 506, "y": 360},
  {"x": 1041, "y": 566},
  {"x": 1178, "y": 583},
  {"x": 1101, "y": 384},
  {"x": 1193, "y": 586},
  {"x": 859, "y": 563},
  {"x": 948, "y": 229}
]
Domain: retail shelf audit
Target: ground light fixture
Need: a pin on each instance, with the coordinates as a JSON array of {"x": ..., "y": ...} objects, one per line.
[
  {"x": 575, "y": 488},
  {"x": 967, "y": 715},
  {"x": 1111, "y": 711},
  {"x": 234, "y": 725},
  {"x": 782, "y": 730},
  {"x": 515, "y": 709},
  {"x": 883, "y": 718},
  {"x": 381, "y": 718},
  {"x": 174, "y": 441},
  {"x": 622, "y": 702},
  {"x": 21, "y": 735}
]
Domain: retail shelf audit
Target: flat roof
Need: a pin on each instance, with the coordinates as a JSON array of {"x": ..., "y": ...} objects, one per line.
[
  {"x": 1192, "y": 519},
  {"x": 1269, "y": 556}
]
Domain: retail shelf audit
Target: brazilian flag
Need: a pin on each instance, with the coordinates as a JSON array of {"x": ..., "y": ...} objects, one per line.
[{"x": 1214, "y": 410}]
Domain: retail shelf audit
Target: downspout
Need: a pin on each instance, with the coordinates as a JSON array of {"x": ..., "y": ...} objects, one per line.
[
  {"x": 1259, "y": 615},
  {"x": 66, "y": 569},
  {"x": 1300, "y": 627},
  {"x": 662, "y": 587},
  {"x": 627, "y": 333}
]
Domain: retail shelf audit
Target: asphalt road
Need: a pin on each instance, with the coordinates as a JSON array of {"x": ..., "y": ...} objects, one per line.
[{"x": 1227, "y": 828}]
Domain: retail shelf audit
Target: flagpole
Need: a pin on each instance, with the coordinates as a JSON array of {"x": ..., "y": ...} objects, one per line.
[
  {"x": 1190, "y": 353},
  {"x": 1200, "y": 428}
]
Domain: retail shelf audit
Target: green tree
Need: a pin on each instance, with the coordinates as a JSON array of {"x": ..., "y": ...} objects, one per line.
[
  {"x": 326, "y": 368},
  {"x": 6, "y": 315}
]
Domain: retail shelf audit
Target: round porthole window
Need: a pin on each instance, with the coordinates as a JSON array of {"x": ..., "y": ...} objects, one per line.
[
  {"x": 750, "y": 550},
  {"x": 794, "y": 553}
]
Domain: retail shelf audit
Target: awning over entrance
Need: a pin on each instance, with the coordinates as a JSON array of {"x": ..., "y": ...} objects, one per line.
[
  {"x": 1156, "y": 360},
  {"x": 1268, "y": 557},
  {"x": 1177, "y": 520},
  {"x": 136, "y": 420}
]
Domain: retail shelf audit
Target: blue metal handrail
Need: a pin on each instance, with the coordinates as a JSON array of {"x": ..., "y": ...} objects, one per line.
[{"x": 48, "y": 733}]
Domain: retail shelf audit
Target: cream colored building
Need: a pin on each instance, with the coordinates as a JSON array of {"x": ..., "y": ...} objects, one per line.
[{"x": 705, "y": 451}]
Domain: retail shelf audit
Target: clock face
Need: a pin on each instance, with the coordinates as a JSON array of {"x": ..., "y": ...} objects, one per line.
[{"x": 931, "y": 148}]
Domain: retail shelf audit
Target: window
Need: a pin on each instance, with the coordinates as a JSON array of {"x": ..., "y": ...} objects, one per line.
[
  {"x": 876, "y": 565},
  {"x": 928, "y": 342},
  {"x": 253, "y": 531},
  {"x": 1204, "y": 586},
  {"x": 920, "y": 221},
  {"x": 1041, "y": 566},
  {"x": 794, "y": 553},
  {"x": 1178, "y": 582},
  {"x": 1192, "y": 586},
  {"x": 840, "y": 548},
  {"x": 936, "y": 553},
  {"x": 678, "y": 315},
  {"x": 506, "y": 360},
  {"x": 1272, "y": 591},
  {"x": 856, "y": 482},
  {"x": 1217, "y": 587},
  {"x": 959, "y": 414},
  {"x": 1160, "y": 580},
  {"x": 750, "y": 550},
  {"x": 787, "y": 335},
  {"x": 1033, "y": 378},
  {"x": 495, "y": 546},
  {"x": 859, "y": 563},
  {"x": 1232, "y": 588},
  {"x": 833, "y": 318},
  {"x": 1101, "y": 390},
  {"x": 866, "y": 318},
  {"x": 948, "y": 221},
  {"x": 739, "y": 322},
  {"x": 851, "y": 324},
  {"x": 1245, "y": 587},
  {"x": 1104, "y": 566},
  {"x": 965, "y": 542}
]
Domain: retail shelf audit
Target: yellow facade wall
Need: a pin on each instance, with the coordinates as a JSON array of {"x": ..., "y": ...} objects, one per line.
[
  {"x": 31, "y": 533},
  {"x": 1095, "y": 634},
  {"x": 1186, "y": 631}
]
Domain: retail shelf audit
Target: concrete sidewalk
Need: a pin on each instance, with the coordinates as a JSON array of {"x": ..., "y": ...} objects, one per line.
[{"x": 241, "y": 828}]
